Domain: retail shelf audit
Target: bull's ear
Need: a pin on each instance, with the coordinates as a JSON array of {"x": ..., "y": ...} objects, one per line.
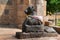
[{"x": 26, "y": 12}]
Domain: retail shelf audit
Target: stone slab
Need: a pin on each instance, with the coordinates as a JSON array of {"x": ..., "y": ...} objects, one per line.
[
  {"x": 36, "y": 34},
  {"x": 50, "y": 34},
  {"x": 21, "y": 35}
]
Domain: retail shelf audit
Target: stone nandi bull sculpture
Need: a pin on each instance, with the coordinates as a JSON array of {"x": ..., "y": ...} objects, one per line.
[
  {"x": 32, "y": 23},
  {"x": 33, "y": 26}
]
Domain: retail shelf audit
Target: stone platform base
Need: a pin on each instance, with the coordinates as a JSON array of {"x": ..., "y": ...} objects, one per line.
[{"x": 21, "y": 35}]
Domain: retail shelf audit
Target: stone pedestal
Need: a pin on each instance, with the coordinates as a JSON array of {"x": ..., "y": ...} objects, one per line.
[
  {"x": 22, "y": 35},
  {"x": 36, "y": 34}
]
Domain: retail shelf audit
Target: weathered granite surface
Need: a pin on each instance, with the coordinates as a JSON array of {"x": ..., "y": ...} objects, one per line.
[{"x": 21, "y": 35}]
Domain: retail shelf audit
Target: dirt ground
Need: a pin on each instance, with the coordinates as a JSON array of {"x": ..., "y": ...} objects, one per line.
[{"x": 9, "y": 34}]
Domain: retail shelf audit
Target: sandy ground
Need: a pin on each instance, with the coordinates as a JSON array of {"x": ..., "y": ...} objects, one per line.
[{"x": 9, "y": 34}]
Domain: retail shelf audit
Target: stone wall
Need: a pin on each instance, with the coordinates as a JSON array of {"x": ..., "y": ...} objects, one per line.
[
  {"x": 7, "y": 12},
  {"x": 12, "y": 11},
  {"x": 41, "y": 7},
  {"x": 20, "y": 11}
]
